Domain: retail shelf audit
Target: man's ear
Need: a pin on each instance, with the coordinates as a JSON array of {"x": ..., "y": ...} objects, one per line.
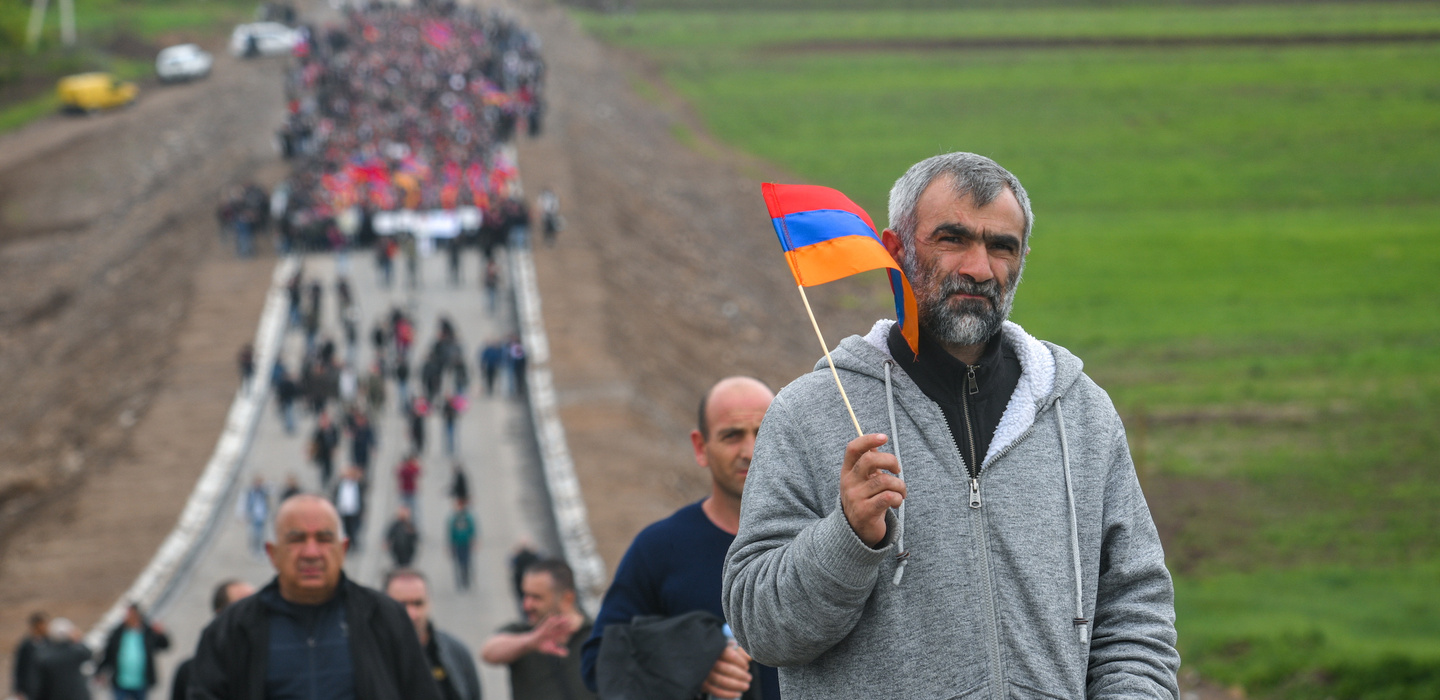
[
  {"x": 891, "y": 241},
  {"x": 698, "y": 442}
]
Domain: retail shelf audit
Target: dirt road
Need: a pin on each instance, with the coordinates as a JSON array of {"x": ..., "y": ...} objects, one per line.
[{"x": 120, "y": 321}]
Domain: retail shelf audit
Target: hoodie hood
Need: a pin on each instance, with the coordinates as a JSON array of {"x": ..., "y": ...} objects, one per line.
[{"x": 1047, "y": 372}]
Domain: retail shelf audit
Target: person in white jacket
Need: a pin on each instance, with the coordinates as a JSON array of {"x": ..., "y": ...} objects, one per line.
[{"x": 988, "y": 538}]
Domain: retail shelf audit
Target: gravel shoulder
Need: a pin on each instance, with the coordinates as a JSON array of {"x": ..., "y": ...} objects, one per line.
[{"x": 121, "y": 317}]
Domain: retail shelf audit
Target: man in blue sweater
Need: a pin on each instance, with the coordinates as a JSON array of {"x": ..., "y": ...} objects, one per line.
[{"x": 675, "y": 566}]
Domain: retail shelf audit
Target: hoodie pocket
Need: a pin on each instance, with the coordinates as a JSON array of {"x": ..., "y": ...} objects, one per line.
[
  {"x": 975, "y": 692},
  {"x": 1025, "y": 692}
]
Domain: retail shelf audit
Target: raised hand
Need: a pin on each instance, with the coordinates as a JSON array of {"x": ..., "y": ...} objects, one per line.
[
  {"x": 867, "y": 491},
  {"x": 552, "y": 634}
]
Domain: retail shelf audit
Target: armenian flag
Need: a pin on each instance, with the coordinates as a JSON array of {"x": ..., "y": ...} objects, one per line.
[{"x": 826, "y": 236}]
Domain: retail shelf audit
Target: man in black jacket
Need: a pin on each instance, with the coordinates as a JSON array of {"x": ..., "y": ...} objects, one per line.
[
  {"x": 58, "y": 673},
  {"x": 24, "y": 665},
  {"x": 451, "y": 662},
  {"x": 227, "y": 592},
  {"x": 311, "y": 629},
  {"x": 129, "y": 659}
]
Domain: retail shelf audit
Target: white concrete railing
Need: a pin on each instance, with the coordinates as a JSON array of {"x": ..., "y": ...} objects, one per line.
[
  {"x": 195, "y": 521},
  {"x": 572, "y": 521}
]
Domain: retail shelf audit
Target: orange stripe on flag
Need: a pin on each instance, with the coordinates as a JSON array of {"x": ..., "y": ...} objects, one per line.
[{"x": 831, "y": 260}]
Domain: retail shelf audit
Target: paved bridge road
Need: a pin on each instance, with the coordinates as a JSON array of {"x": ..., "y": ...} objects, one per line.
[{"x": 495, "y": 443}]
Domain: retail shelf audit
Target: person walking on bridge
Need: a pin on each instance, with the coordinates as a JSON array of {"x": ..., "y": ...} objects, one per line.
[
  {"x": 23, "y": 668},
  {"x": 322, "y": 447},
  {"x": 451, "y": 663},
  {"x": 462, "y": 532},
  {"x": 401, "y": 538},
  {"x": 129, "y": 657},
  {"x": 59, "y": 672},
  {"x": 255, "y": 509}
]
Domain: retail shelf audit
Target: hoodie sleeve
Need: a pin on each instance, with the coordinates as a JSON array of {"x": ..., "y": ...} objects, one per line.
[
  {"x": 1133, "y": 653},
  {"x": 797, "y": 577}
]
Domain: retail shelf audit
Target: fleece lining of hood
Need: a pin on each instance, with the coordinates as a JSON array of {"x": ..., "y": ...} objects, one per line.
[{"x": 1037, "y": 381}]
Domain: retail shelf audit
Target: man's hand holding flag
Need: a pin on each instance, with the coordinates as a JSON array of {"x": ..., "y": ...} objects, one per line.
[{"x": 825, "y": 237}]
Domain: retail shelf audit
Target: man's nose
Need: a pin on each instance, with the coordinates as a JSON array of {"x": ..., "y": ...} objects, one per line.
[
  {"x": 975, "y": 262},
  {"x": 747, "y": 447}
]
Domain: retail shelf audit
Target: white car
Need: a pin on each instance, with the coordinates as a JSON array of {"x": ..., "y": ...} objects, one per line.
[
  {"x": 182, "y": 62},
  {"x": 263, "y": 39}
]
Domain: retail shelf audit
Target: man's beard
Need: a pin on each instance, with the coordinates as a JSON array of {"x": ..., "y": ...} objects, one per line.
[{"x": 959, "y": 321}]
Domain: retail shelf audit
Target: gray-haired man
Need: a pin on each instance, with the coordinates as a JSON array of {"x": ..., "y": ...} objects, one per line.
[{"x": 1024, "y": 562}]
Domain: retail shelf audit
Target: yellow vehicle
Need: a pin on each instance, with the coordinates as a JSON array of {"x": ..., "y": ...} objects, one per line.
[{"x": 88, "y": 92}]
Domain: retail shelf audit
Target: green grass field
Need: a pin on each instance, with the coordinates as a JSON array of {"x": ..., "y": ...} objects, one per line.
[
  {"x": 117, "y": 36},
  {"x": 98, "y": 22},
  {"x": 1241, "y": 242}
]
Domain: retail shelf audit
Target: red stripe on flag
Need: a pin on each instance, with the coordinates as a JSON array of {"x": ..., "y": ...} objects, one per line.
[{"x": 789, "y": 199}]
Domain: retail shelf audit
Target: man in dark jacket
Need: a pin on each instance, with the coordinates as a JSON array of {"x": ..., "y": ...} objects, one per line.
[
  {"x": 451, "y": 663},
  {"x": 58, "y": 673},
  {"x": 402, "y": 538},
  {"x": 322, "y": 447},
  {"x": 311, "y": 627},
  {"x": 129, "y": 658},
  {"x": 543, "y": 652},
  {"x": 226, "y": 592},
  {"x": 24, "y": 665}
]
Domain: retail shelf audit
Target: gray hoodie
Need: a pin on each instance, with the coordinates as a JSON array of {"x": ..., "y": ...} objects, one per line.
[{"x": 1048, "y": 583}]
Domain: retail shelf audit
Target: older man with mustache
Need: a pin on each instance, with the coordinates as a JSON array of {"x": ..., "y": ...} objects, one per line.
[{"x": 990, "y": 540}]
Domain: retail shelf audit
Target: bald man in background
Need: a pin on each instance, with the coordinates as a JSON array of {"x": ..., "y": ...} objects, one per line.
[{"x": 674, "y": 566}]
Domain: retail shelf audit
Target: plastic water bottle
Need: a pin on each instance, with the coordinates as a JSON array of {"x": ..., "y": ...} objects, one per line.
[{"x": 729, "y": 642}]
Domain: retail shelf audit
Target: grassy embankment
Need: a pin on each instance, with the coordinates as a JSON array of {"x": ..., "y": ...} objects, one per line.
[
  {"x": 119, "y": 36},
  {"x": 1241, "y": 242}
]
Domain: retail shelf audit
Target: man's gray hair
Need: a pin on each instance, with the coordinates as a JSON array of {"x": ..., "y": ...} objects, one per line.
[{"x": 975, "y": 175}]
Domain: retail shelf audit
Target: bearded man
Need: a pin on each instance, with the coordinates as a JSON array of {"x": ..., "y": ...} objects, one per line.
[{"x": 1014, "y": 555}]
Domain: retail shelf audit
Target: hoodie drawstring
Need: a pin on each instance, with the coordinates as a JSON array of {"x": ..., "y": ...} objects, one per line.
[
  {"x": 903, "y": 556},
  {"x": 1081, "y": 624}
]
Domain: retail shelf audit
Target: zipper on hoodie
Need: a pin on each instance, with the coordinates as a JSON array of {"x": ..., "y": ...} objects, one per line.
[{"x": 972, "y": 465}]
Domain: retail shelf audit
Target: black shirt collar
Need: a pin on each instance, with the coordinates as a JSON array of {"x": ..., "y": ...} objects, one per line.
[{"x": 936, "y": 367}]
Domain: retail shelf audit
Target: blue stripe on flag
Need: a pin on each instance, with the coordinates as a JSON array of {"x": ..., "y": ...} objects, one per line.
[{"x": 804, "y": 228}]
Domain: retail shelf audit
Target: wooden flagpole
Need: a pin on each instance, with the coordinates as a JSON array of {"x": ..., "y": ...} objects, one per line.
[{"x": 826, "y": 348}]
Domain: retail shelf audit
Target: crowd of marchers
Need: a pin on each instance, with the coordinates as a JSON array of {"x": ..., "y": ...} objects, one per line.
[{"x": 402, "y": 109}]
